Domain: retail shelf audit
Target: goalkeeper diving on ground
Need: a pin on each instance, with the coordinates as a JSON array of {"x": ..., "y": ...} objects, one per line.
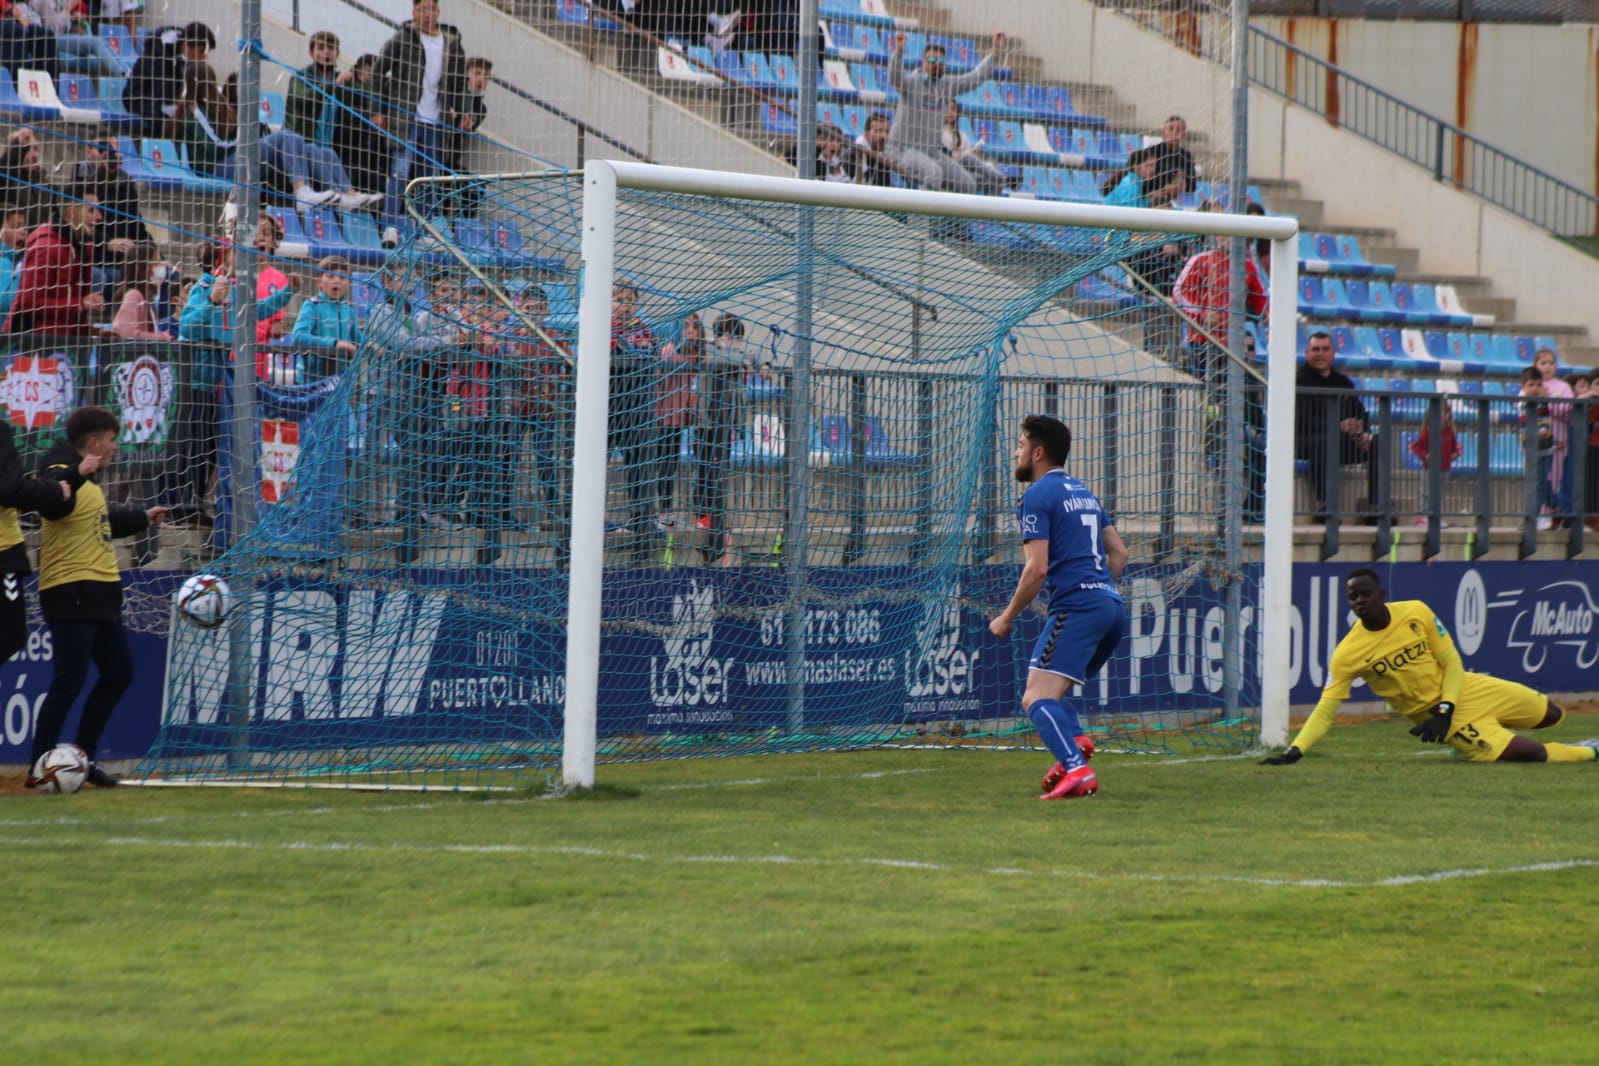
[{"x": 1404, "y": 653}]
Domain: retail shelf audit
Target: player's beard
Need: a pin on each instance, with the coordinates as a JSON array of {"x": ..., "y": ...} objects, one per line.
[{"x": 1024, "y": 474}]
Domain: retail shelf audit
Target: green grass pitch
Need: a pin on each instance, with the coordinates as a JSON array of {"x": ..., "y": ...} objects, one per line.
[{"x": 1379, "y": 902}]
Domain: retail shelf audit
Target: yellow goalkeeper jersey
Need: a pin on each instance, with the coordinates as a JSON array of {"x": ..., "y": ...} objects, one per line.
[{"x": 1404, "y": 663}]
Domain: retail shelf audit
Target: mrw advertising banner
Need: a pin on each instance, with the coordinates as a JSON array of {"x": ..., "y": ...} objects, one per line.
[{"x": 430, "y": 660}]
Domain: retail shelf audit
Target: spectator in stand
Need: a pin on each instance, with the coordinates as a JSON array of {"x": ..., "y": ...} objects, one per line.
[
  {"x": 720, "y": 387},
  {"x": 913, "y": 144},
  {"x": 421, "y": 77},
  {"x": 1173, "y": 161},
  {"x": 207, "y": 323},
  {"x": 542, "y": 402},
  {"x": 79, "y": 53},
  {"x": 155, "y": 85},
  {"x": 1136, "y": 186},
  {"x": 989, "y": 178},
  {"x": 466, "y": 201},
  {"x": 1547, "y": 444},
  {"x": 832, "y": 158},
  {"x": 121, "y": 219},
  {"x": 635, "y": 370},
  {"x": 326, "y": 325},
  {"x": 676, "y": 405},
  {"x": 1316, "y": 417},
  {"x": 308, "y": 110},
  {"x": 25, "y": 43},
  {"x": 1203, "y": 292},
  {"x": 55, "y": 292},
  {"x": 871, "y": 152},
  {"x": 1548, "y": 366},
  {"x": 1449, "y": 449},
  {"x": 358, "y": 128},
  {"x": 406, "y": 371},
  {"x": 136, "y": 318},
  {"x": 13, "y": 233},
  {"x": 268, "y": 280},
  {"x": 208, "y": 126},
  {"x": 24, "y": 182},
  {"x": 1586, "y": 417}
]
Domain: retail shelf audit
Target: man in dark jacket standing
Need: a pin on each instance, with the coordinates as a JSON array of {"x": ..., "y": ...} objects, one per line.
[
  {"x": 155, "y": 84},
  {"x": 80, "y": 585},
  {"x": 421, "y": 77}
]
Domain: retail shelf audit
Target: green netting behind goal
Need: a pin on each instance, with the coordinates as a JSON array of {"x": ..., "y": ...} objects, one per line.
[{"x": 809, "y": 510}]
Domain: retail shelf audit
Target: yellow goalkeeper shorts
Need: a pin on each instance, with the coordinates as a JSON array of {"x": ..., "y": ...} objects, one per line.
[{"x": 1488, "y": 709}]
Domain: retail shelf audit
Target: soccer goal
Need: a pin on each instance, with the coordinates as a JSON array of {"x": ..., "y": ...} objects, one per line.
[{"x": 649, "y": 462}]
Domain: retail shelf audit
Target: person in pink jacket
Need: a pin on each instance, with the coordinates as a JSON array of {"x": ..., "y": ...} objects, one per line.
[{"x": 135, "y": 317}]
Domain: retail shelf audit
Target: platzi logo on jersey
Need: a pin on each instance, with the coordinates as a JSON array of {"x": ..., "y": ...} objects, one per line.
[
  {"x": 940, "y": 665},
  {"x": 687, "y": 675},
  {"x": 1563, "y": 615}
]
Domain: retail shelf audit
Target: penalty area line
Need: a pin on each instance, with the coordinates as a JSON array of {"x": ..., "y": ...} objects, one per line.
[{"x": 912, "y": 865}]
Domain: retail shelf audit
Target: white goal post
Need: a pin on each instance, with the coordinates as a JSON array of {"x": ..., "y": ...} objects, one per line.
[{"x": 601, "y": 181}]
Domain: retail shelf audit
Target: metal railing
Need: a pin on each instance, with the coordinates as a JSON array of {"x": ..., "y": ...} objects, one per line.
[{"x": 1448, "y": 152}]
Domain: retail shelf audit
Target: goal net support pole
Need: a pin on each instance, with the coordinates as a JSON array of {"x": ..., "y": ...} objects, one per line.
[{"x": 601, "y": 181}]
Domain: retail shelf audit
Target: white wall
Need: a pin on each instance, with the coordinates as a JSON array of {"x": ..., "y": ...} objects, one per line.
[{"x": 1532, "y": 91}]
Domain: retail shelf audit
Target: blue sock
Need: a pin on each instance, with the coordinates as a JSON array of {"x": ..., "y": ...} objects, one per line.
[{"x": 1058, "y": 727}]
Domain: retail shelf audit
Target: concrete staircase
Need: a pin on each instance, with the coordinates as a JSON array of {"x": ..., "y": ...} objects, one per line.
[{"x": 1385, "y": 246}]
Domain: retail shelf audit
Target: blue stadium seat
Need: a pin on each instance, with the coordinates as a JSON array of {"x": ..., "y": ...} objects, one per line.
[
  {"x": 880, "y": 451},
  {"x": 1343, "y": 339},
  {"x": 361, "y": 234},
  {"x": 758, "y": 72},
  {"x": 871, "y": 83},
  {"x": 731, "y": 66},
  {"x": 365, "y": 294},
  {"x": 272, "y": 113},
  {"x": 995, "y": 100},
  {"x": 1391, "y": 343},
  {"x": 1459, "y": 346},
  {"x": 1465, "y": 464},
  {"x": 295, "y": 244},
  {"x": 1505, "y": 456},
  {"x": 120, "y": 43},
  {"x": 1350, "y": 260},
  {"x": 111, "y": 100},
  {"x": 784, "y": 72},
  {"x": 1367, "y": 341},
  {"x": 779, "y": 120},
  {"x": 140, "y": 169},
  {"x": 875, "y": 42},
  {"x": 1465, "y": 407},
  {"x": 323, "y": 235},
  {"x": 577, "y": 13}
]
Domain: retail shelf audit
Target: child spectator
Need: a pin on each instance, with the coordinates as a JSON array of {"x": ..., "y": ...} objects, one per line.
[
  {"x": 1548, "y": 364},
  {"x": 466, "y": 200},
  {"x": 1533, "y": 387},
  {"x": 135, "y": 318},
  {"x": 13, "y": 232},
  {"x": 990, "y": 179},
  {"x": 307, "y": 111},
  {"x": 268, "y": 280},
  {"x": 326, "y": 324},
  {"x": 1449, "y": 450}
]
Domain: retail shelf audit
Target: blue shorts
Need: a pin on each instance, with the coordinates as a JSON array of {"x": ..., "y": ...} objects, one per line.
[{"x": 1077, "y": 640}]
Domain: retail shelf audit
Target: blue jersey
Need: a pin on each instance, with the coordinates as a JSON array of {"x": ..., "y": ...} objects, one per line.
[{"x": 1060, "y": 509}]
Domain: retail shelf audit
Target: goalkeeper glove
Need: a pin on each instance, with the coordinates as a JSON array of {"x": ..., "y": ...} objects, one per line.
[
  {"x": 1289, "y": 756},
  {"x": 1437, "y": 725}
]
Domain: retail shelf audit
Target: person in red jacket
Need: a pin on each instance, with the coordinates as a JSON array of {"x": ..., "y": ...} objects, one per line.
[
  {"x": 55, "y": 293},
  {"x": 1202, "y": 292}
]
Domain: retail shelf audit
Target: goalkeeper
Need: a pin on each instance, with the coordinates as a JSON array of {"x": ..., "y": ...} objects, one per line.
[{"x": 1405, "y": 655}]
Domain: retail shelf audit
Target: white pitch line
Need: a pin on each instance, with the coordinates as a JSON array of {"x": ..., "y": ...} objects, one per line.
[{"x": 1398, "y": 880}]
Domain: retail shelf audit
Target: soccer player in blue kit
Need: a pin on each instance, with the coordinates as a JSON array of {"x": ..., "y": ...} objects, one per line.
[{"x": 1067, "y": 540}]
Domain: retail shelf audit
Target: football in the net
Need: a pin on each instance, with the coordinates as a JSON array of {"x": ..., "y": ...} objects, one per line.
[
  {"x": 61, "y": 770},
  {"x": 204, "y": 600}
]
